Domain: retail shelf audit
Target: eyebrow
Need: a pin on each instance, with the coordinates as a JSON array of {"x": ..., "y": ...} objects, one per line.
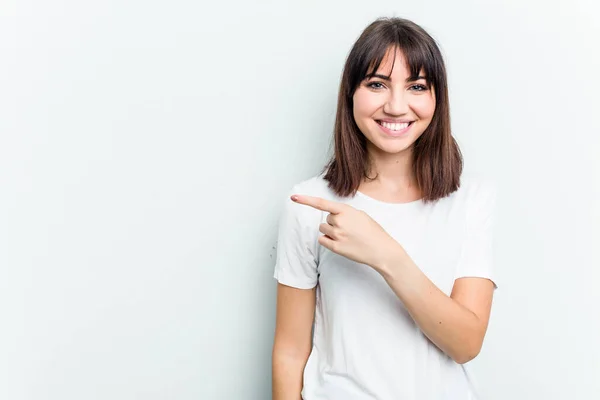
[{"x": 387, "y": 78}]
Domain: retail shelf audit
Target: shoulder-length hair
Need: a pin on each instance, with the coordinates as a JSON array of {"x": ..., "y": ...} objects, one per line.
[{"x": 437, "y": 160}]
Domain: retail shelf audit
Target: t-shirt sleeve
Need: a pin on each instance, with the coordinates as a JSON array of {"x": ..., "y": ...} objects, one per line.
[
  {"x": 297, "y": 245},
  {"x": 477, "y": 256}
]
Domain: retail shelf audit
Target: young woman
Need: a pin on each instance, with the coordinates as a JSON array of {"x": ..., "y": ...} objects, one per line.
[{"x": 384, "y": 260}]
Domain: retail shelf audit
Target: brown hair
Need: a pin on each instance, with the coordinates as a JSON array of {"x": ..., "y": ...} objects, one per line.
[{"x": 437, "y": 160}]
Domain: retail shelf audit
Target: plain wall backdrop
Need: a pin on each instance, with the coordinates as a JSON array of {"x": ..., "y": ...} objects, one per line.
[{"x": 146, "y": 148}]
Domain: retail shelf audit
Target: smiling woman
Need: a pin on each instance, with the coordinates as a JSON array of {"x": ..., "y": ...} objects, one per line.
[
  {"x": 388, "y": 252},
  {"x": 392, "y": 103},
  {"x": 395, "y": 73}
]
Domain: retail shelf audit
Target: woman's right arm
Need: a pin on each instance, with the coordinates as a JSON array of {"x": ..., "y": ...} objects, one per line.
[{"x": 293, "y": 340}]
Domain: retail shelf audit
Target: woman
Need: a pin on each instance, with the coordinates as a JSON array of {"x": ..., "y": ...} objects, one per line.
[{"x": 388, "y": 251}]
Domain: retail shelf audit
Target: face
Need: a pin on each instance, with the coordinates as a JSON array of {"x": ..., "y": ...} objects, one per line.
[{"x": 392, "y": 113}]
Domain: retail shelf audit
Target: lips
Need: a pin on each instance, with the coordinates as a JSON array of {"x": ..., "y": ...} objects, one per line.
[{"x": 395, "y": 128}]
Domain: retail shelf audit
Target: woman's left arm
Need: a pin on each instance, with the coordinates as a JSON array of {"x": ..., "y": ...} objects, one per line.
[{"x": 457, "y": 323}]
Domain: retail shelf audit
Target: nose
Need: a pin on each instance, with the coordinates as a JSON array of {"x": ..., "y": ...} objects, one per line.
[{"x": 396, "y": 103}]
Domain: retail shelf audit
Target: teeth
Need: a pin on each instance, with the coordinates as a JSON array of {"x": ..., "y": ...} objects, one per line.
[{"x": 394, "y": 127}]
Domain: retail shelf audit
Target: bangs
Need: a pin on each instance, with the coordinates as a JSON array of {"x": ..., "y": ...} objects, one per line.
[{"x": 419, "y": 55}]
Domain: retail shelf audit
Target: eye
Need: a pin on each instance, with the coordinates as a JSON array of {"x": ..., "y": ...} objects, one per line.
[
  {"x": 375, "y": 85},
  {"x": 419, "y": 88}
]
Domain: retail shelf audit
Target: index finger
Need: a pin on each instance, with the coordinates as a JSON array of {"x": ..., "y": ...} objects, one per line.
[{"x": 319, "y": 203}]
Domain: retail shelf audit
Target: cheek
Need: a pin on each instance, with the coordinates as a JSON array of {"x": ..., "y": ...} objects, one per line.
[
  {"x": 364, "y": 103},
  {"x": 424, "y": 107}
]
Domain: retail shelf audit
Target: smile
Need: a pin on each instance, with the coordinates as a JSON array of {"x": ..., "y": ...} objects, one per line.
[{"x": 395, "y": 128}]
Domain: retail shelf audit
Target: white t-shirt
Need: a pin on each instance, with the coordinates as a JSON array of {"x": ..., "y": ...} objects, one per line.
[{"x": 365, "y": 344}]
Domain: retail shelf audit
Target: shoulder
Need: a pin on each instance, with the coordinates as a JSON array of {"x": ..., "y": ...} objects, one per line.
[
  {"x": 315, "y": 186},
  {"x": 477, "y": 197},
  {"x": 476, "y": 190}
]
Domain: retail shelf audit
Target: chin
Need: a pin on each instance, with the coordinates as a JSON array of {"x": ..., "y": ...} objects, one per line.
[
  {"x": 390, "y": 144},
  {"x": 398, "y": 150},
  {"x": 392, "y": 149}
]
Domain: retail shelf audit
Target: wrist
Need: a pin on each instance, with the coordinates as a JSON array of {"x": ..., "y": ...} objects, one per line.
[{"x": 392, "y": 262}]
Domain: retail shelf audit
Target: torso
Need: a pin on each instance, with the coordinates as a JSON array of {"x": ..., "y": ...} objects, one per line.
[{"x": 366, "y": 345}]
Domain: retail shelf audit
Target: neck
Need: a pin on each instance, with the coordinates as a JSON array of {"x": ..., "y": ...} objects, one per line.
[{"x": 393, "y": 171}]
